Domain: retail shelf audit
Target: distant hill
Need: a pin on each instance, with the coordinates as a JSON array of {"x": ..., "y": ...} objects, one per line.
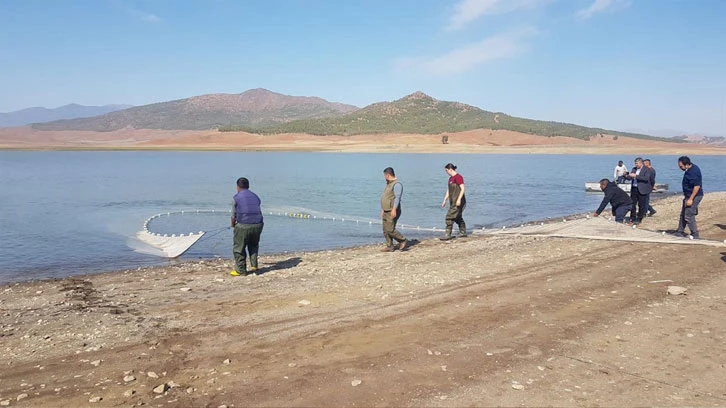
[
  {"x": 253, "y": 108},
  {"x": 420, "y": 113},
  {"x": 700, "y": 139},
  {"x": 37, "y": 115}
]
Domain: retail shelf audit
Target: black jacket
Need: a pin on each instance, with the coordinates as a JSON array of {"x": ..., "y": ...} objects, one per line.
[
  {"x": 615, "y": 196},
  {"x": 645, "y": 180}
]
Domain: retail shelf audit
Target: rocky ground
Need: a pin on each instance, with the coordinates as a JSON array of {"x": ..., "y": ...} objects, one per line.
[{"x": 482, "y": 321}]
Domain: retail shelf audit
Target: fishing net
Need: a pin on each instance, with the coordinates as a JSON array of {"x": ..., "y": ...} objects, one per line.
[
  {"x": 600, "y": 228},
  {"x": 172, "y": 234}
]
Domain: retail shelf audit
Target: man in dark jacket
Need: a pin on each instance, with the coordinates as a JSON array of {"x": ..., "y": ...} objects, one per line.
[
  {"x": 646, "y": 163},
  {"x": 639, "y": 191},
  {"x": 618, "y": 199}
]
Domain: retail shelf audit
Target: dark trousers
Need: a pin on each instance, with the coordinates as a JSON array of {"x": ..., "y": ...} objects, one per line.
[
  {"x": 246, "y": 240},
  {"x": 688, "y": 216},
  {"x": 640, "y": 205},
  {"x": 389, "y": 227},
  {"x": 620, "y": 212},
  {"x": 455, "y": 215}
]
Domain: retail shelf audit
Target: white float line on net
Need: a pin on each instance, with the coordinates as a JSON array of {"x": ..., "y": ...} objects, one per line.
[
  {"x": 341, "y": 219},
  {"x": 148, "y": 221},
  {"x": 299, "y": 215}
]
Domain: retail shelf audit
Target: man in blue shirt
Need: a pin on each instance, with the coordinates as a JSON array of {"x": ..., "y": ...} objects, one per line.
[
  {"x": 692, "y": 195},
  {"x": 247, "y": 223}
]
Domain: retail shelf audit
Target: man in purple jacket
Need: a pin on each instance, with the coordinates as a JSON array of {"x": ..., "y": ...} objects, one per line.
[{"x": 247, "y": 223}]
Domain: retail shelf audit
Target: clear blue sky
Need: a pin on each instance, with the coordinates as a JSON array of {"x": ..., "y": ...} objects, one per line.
[{"x": 648, "y": 65}]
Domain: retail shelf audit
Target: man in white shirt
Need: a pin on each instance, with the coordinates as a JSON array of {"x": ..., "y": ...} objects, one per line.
[{"x": 620, "y": 172}]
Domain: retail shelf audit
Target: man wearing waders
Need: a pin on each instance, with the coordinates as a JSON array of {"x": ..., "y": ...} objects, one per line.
[
  {"x": 457, "y": 202},
  {"x": 391, "y": 210},
  {"x": 247, "y": 224}
]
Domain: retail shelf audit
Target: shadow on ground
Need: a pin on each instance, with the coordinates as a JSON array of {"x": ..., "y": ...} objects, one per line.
[
  {"x": 722, "y": 226},
  {"x": 279, "y": 265}
]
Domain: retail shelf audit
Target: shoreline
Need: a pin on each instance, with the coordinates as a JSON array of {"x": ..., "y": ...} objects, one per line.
[
  {"x": 480, "y": 141},
  {"x": 174, "y": 262},
  {"x": 520, "y": 150},
  {"x": 482, "y": 321}
]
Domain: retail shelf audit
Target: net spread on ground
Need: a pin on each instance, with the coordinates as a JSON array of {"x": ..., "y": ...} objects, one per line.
[{"x": 600, "y": 228}]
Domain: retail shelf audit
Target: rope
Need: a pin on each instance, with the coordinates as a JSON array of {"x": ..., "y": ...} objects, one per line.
[{"x": 173, "y": 245}]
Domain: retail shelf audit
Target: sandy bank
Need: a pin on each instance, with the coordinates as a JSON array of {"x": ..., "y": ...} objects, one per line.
[
  {"x": 478, "y": 322},
  {"x": 475, "y": 141}
]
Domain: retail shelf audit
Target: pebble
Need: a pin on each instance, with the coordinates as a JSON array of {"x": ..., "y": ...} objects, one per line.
[
  {"x": 185, "y": 289},
  {"x": 129, "y": 378},
  {"x": 96, "y": 363},
  {"x": 95, "y": 399},
  {"x": 152, "y": 374},
  {"x": 227, "y": 361},
  {"x": 191, "y": 390},
  {"x": 356, "y": 383},
  {"x": 172, "y": 384},
  {"x": 160, "y": 389},
  {"x": 5, "y": 403},
  {"x": 222, "y": 406},
  {"x": 304, "y": 302},
  {"x": 517, "y": 386},
  {"x": 129, "y": 393},
  {"x": 22, "y": 396}
]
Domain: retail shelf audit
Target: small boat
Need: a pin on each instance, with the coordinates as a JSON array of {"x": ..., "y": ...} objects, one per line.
[{"x": 594, "y": 187}]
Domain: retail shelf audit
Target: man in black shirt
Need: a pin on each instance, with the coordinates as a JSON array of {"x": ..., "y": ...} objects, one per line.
[{"x": 618, "y": 199}]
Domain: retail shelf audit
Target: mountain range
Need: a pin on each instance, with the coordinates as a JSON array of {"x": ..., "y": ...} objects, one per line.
[
  {"x": 252, "y": 108},
  {"x": 265, "y": 112},
  {"x": 27, "y": 116},
  {"x": 421, "y": 114}
]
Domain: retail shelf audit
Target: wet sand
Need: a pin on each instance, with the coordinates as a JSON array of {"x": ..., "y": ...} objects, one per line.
[{"x": 481, "y": 321}]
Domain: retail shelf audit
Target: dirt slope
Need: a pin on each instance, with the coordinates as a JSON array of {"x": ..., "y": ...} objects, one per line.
[{"x": 481, "y": 321}]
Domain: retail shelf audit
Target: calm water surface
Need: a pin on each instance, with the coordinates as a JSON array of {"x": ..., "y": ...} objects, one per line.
[{"x": 71, "y": 213}]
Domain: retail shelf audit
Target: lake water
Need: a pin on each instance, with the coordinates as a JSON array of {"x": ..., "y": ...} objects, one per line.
[{"x": 72, "y": 213}]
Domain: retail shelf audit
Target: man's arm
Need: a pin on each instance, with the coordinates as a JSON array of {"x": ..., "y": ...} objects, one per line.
[
  {"x": 397, "y": 192},
  {"x": 234, "y": 214},
  {"x": 461, "y": 194},
  {"x": 696, "y": 180},
  {"x": 644, "y": 175},
  {"x": 696, "y": 189},
  {"x": 604, "y": 203}
]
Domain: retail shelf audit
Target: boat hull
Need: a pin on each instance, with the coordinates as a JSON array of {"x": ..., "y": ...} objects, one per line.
[{"x": 594, "y": 187}]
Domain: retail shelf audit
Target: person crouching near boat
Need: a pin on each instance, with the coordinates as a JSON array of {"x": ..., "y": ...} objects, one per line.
[
  {"x": 455, "y": 195},
  {"x": 617, "y": 198}
]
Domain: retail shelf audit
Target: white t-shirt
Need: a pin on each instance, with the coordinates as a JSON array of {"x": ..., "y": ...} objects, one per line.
[{"x": 620, "y": 171}]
